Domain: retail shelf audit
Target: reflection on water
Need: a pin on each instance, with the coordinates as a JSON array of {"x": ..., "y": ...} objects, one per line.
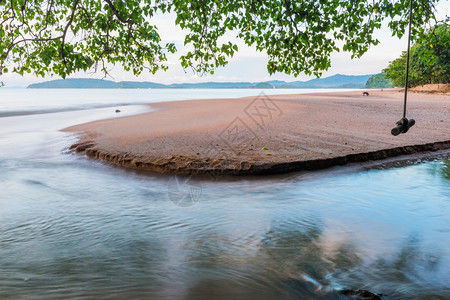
[{"x": 76, "y": 228}]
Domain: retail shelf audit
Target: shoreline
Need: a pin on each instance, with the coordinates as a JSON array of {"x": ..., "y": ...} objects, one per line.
[
  {"x": 267, "y": 134},
  {"x": 262, "y": 169}
]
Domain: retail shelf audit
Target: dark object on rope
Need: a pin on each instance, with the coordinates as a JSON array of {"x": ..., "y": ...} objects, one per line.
[{"x": 404, "y": 124}]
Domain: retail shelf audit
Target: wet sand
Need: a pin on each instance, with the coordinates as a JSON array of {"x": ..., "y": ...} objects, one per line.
[{"x": 268, "y": 134}]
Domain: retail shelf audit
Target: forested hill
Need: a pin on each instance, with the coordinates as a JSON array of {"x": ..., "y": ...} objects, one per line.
[
  {"x": 335, "y": 81},
  {"x": 379, "y": 81}
]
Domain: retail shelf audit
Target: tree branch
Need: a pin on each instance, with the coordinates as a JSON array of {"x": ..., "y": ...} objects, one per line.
[
  {"x": 63, "y": 38},
  {"x": 117, "y": 14}
]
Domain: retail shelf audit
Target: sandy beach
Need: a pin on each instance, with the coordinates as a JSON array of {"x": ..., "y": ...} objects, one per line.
[{"x": 268, "y": 134}]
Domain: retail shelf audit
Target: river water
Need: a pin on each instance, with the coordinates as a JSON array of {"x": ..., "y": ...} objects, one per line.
[{"x": 71, "y": 227}]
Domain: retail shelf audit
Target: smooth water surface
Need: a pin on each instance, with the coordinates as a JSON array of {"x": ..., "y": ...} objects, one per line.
[
  {"x": 15, "y": 102},
  {"x": 71, "y": 227}
]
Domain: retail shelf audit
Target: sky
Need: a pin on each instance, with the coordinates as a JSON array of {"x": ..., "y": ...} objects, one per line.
[{"x": 248, "y": 64}]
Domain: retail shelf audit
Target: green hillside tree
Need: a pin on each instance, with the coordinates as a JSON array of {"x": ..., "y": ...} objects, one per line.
[
  {"x": 379, "y": 81},
  {"x": 429, "y": 61},
  {"x": 61, "y": 37}
]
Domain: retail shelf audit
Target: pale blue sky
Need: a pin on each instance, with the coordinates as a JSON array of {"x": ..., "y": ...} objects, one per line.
[{"x": 248, "y": 64}]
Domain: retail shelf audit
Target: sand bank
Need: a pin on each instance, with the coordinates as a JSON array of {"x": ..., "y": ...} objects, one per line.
[
  {"x": 432, "y": 88},
  {"x": 268, "y": 134}
]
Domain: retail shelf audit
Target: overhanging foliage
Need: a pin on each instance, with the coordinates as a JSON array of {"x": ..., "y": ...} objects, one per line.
[{"x": 61, "y": 37}]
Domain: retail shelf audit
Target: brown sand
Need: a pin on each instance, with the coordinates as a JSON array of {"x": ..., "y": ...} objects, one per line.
[
  {"x": 433, "y": 88},
  {"x": 268, "y": 134}
]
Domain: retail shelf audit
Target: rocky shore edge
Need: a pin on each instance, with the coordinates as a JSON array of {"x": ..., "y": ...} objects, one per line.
[{"x": 185, "y": 165}]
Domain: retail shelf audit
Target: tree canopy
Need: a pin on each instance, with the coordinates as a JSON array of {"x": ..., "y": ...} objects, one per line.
[
  {"x": 429, "y": 60},
  {"x": 61, "y": 36}
]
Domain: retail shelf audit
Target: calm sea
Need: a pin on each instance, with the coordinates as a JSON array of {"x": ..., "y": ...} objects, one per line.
[
  {"x": 71, "y": 227},
  {"x": 15, "y": 102}
]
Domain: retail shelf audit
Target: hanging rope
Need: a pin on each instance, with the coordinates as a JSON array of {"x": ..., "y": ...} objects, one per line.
[{"x": 404, "y": 124}]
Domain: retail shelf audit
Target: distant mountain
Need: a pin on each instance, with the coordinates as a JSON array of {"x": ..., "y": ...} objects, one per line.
[
  {"x": 74, "y": 84},
  {"x": 212, "y": 85},
  {"x": 83, "y": 83},
  {"x": 335, "y": 81},
  {"x": 139, "y": 85}
]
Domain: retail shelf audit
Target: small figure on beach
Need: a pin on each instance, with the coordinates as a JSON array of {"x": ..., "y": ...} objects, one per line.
[
  {"x": 117, "y": 110},
  {"x": 365, "y": 94}
]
